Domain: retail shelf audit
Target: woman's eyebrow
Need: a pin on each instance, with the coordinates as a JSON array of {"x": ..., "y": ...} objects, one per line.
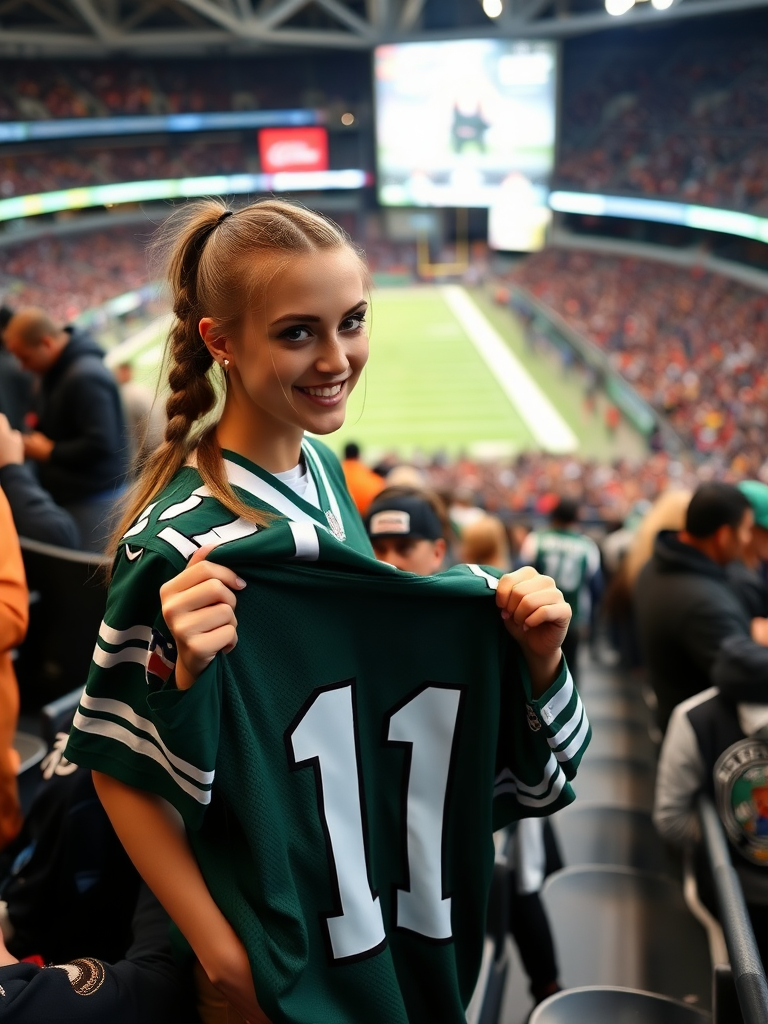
[{"x": 310, "y": 318}]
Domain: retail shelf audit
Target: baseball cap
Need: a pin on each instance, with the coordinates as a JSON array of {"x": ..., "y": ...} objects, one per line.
[
  {"x": 404, "y": 516},
  {"x": 756, "y": 494}
]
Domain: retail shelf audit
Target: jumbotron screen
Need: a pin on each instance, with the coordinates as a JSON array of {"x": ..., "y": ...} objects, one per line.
[{"x": 461, "y": 123}]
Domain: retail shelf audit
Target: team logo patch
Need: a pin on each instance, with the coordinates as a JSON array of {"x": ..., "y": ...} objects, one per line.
[
  {"x": 533, "y": 719},
  {"x": 161, "y": 658},
  {"x": 86, "y": 976},
  {"x": 741, "y": 791},
  {"x": 392, "y": 521}
]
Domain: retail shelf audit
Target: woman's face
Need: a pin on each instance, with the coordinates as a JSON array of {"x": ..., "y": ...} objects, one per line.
[{"x": 298, "y": 356}]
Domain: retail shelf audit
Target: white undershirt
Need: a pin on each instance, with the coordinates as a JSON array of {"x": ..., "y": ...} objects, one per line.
[{"x": 300, "y": 480}]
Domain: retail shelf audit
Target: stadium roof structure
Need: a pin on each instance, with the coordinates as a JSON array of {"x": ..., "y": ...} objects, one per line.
[{"x": 96, "y": 28}]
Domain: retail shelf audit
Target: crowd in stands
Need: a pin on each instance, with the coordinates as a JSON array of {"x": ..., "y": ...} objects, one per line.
[
  {"x": 45, "y": 171},
  {"x": 40, "y": 90},
  {"x": 68, "y": 275},
  {"x": 692, "y": 343},
  {"x": 672, "y": 117}
]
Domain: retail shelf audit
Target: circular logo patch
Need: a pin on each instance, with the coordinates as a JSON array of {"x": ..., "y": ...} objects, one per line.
[
  {"x": 86, "y": 976},
  {"x": 741, "y": 791}
]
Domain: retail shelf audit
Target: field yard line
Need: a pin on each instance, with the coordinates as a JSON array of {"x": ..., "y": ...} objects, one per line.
[
  {"x": 122, "y": 353},
  {"x": 537, "y": 412}
]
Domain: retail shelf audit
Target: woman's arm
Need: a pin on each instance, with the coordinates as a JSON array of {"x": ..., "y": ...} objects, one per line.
[{"x": 154, "y": 838}]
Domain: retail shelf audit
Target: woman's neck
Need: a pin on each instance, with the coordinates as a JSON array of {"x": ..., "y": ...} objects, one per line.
[{"x": 272, "y": 445}]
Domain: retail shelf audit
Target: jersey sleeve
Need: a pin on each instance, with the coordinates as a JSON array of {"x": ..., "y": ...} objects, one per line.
[
  {"x": 132, "y": 722},
  {"x": 541, "y": 743}
]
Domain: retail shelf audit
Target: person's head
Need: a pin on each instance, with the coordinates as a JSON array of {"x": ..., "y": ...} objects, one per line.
[
  {"x": 351, "y": 450},
  {"x": 35, "y": 340},
  {"x": 269, "y": 306},
  {"x": 484, "y": 542},
  {"x": 124, "y": 373},
  {"x": 756, "y": 494},
  {"x": 565, "y": 512},
  {"x": 407, "y": 529},
  {"x": 718, "y": 522},
  {"x": 667, "y": 513}
]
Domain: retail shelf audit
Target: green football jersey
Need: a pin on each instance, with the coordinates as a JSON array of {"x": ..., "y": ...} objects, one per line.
[
  {"x": 571, "y": 559},
  {"x": 342, "y": 770}
]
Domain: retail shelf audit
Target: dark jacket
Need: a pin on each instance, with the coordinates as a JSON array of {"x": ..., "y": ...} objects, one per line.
[
  {"x": 685, "y": 609},
  {"x": 750, "y": 588},
  {"x": 35, "y": 513},
  {"x": 82, "y": 414},
  {"x": 16, "y": 390}
]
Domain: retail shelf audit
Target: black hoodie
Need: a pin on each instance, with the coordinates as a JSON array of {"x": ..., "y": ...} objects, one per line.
[
  {"x": 685, "y": 610},
  {"x": 82, "y": 414}
]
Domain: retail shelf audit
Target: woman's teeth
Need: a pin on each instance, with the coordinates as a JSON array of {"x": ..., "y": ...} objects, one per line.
[{"x": 323, "y": 392}]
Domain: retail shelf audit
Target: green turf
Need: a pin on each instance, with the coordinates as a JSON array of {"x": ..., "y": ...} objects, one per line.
[{"x": 427, "y": 389}]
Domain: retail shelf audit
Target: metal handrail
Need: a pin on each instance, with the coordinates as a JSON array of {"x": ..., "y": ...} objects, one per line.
[{"x": 746, "y": 965}]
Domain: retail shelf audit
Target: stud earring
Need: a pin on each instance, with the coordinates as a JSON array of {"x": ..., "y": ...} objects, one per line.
[{"x": 226, "y": 365}]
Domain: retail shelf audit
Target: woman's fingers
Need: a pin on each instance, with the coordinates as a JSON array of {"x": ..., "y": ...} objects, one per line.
[{"x": 207, "y": 592}]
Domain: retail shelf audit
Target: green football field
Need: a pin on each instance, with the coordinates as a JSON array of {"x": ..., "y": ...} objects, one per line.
[{"x": 428, "y": 388}]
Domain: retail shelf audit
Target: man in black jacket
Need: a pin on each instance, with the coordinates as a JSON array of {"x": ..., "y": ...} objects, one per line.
[
  {"x": 81, "y": 445},
  {"x": 686, "y": 609}
]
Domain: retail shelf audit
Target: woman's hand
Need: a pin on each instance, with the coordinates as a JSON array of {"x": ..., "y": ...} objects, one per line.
[
  {"x": 230, "y": 972},
  {"x": 538, "y": 617},
  {"x": 199, "y": 607}
]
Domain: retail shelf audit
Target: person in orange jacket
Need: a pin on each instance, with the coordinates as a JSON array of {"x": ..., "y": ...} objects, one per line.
[
  {"x": 362, "y": 483},
  {"x": 14, "y": 614}
]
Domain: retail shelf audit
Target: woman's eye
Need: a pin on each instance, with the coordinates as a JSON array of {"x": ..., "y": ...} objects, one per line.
[
  {"x": 296, "y": 334},
  {"x": 353, "y": 323}
]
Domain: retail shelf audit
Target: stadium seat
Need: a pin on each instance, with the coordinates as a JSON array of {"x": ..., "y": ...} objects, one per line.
[
  {"x": 606, "y": 1005},
  {"x": 620, "y": 926},
  {"x": 597, "y": 834},
  {"x": 31, "y": 750},
  {"x": 626, "y": 783},
  {"x": 64, "y": 623}
]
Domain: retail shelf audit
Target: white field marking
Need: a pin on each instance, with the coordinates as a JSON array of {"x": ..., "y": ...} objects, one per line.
[
  {"x": 537, "y": 412},
  {"x": 123, "y": 352}
]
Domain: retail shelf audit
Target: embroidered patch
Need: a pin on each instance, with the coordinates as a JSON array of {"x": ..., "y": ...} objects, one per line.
[
  {"x": 741, "y": 791},
  {"x": 86, "y": 976},
  {"x": 533, "y": 719},
  {"x": 161, "y": 658}
]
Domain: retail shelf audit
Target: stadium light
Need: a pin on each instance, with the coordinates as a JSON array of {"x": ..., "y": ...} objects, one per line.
[
  {"x": 492, "y": 8},
  {"x": 662, "y": 5},
  {"x": 618, "y": 7}
]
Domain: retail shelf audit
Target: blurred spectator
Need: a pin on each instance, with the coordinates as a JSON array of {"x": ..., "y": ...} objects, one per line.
[
  {"x": 747, "y": 575},
  {"x": 573, "y": 562},
  {"x": 81, "y": 446},
  {"x": 14, "y": 612},
  {"x": 15, "y": 383},
  {"x": 144, "y": 415},
  {"x": 407, "y": 529},
  {"x": 686, "y": 609},
  {"x": 715, "y": 747},
  {"x": 484, "y": 542},
  {"x": 667, "y": 513},
  {"x": 35, "y": 514},
  {"x": 363, "y": 484},
  {"x": 692, "y": 343}
]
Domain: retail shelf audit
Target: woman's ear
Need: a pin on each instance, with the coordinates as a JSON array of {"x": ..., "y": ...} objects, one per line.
[{"x": 217, "y": 344}]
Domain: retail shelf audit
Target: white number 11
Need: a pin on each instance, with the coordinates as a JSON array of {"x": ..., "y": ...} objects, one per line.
[{"x": 325, "y": 737}]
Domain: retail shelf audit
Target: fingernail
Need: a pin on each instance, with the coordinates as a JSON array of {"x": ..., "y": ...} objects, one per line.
[
  {"x": 505, "y": 615},
  {"x": 240, "y": 583}
]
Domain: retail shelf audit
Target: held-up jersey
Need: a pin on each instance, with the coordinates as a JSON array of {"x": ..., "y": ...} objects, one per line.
[
  {"x": 341, "y": 771},
  {"x": 571, "y": 559}
]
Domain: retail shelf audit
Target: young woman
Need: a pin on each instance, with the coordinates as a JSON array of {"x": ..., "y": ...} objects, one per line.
[{"x": 270, "y": 306}]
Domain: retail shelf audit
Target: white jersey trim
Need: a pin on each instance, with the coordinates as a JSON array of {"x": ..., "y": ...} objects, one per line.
[
  {"x": 492, "y": 581},
  {"x": 553, "y": 707},
  {"x": 306, "y": 540}
]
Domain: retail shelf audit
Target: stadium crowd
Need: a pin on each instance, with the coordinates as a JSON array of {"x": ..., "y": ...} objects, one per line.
[
  {"x": 692, "y": 343},
  {"x": 676, "y": 118}
]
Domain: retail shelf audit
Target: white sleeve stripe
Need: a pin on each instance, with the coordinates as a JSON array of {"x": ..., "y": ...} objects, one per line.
[
  {"x": 122, "y": 710},
  {"x": 122, "y": 636},
  {"x": 576, "y": 743},
  {"x": 552, "y": 708},
  {"x": 569, "y": 727},
  {"x": 306, "y": 540},
  {"x": 139, "y": 745},
  {"x": 531, "y": 801},
  {"x": 320, "y": 468},
  {"x": 105, "y": 659},
  {"x": 550, "y": 769},
  {"x": 492, "y": 582}
]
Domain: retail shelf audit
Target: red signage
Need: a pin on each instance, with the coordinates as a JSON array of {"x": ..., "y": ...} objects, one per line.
[{"x": 293, "y": 149}]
